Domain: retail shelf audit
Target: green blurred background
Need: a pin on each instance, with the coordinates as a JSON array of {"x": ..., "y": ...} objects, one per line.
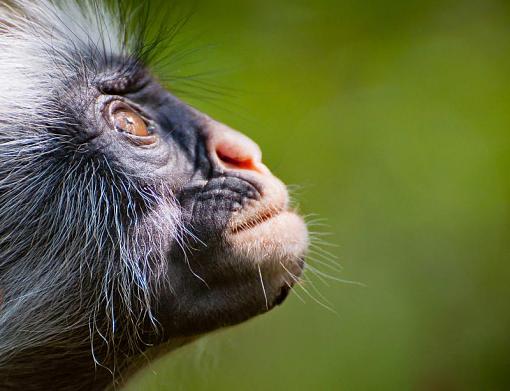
[{"x": 394, "y": 119}]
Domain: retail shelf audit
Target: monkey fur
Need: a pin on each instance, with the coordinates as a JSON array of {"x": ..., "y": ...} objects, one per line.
[{"x": 113, "y": 243}]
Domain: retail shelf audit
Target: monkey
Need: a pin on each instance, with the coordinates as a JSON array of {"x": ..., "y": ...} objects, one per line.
[{"x": 130, "y": 222}]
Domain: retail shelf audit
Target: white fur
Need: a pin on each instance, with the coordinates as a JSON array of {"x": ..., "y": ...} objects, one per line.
[{"x": 38, "y": 39}]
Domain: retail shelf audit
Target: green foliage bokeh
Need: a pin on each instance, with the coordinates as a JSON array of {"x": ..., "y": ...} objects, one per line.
[{"x": 394, "y": 119}]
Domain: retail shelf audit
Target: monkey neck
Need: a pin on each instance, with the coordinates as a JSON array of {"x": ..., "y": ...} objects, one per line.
[
  {"x": 68, "y": 368},
  {"x": 151, "y": 355}
]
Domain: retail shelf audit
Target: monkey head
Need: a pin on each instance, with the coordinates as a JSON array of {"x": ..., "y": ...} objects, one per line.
[{"x": 128, "y": 219}]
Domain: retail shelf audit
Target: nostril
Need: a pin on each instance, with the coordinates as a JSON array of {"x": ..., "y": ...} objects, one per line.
[
  {"x": 238, "y": 155},
  {"x": 237, "y": 162}
]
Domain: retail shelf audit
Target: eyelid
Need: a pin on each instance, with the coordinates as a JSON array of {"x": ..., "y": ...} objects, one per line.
[
  {"x": 114, "y": 104},
  {"x": 147, "y": 141}
]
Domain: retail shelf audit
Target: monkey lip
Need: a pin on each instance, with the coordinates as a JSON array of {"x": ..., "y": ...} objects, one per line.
[
  {"x": 255, "y": 220},
  {"x": 277, "y": 236}
]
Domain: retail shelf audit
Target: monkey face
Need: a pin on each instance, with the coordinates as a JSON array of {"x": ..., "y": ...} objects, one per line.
[
  {"x": 247, "y": 245},
  {"x": 239, "y": 246}
]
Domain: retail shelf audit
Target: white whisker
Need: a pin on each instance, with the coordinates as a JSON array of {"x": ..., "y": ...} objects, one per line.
[{"x": 263, "y": 287}]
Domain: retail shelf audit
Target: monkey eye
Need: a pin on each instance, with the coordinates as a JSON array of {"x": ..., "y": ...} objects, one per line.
[
  {"x": 130, "y": 122},
  {"x": 125, "y": 119}
]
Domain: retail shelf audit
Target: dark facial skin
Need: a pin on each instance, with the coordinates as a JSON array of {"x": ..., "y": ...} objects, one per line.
[{"x": 245, "y": 245}]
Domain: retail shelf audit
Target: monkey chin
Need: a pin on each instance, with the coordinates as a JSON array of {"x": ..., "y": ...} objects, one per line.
[{"x": 276, "y": 243}]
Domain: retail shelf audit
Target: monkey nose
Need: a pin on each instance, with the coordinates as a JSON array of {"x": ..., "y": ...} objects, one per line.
[{"x": 233, "y": 150}]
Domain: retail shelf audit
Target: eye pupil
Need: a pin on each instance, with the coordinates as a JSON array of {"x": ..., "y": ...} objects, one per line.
[{"x": 130, "y": 122}]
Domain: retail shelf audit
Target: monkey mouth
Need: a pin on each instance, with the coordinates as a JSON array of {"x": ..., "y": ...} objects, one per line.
[
  {"x": 256, "y": 219},
  {"x": 269, "y": 236},
  {"x": 275, "y": 235}
]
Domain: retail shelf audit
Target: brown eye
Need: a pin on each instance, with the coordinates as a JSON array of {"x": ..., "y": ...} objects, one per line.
[{"x": 128, "y": 121}]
